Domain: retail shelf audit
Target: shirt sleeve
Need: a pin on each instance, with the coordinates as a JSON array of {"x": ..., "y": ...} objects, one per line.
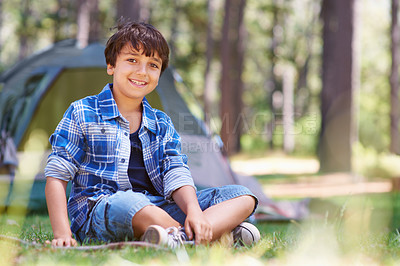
[
  {"x": 67, "y": 148},
  {"x": 174, "y": 164}
]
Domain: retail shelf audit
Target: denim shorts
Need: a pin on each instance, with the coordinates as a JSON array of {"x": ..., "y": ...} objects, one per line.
[{"x": 110, "y": 220}]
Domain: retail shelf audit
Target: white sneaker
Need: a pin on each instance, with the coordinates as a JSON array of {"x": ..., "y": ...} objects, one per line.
[
  {"x": 246, "y": 234},
  {"x": 171, "y": 237}
]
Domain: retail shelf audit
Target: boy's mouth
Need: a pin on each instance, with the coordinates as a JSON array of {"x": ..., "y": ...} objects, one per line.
[{"x": 136, "y": 82}]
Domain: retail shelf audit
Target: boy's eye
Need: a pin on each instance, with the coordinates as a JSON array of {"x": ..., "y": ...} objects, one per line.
[
  {"x": 132, "y": 60},
  {"x": 154, "y": 65}
]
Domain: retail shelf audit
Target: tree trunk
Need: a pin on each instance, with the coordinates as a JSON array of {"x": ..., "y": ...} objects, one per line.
[
  {"x": 145, "y": 11},
  {"x": 1, "y": 30},
  {"x": 57, "y": 36},
  {"x": 24, "y": 34},
  {"x": 174, "y": 29},
  {"x": 394, "y": 81},
  {"x": 232, "y": 54},
  {"x": 83, "y": 23},
  {"x": 88, "y": 25},
  {"x": 129, "y": 9},
  {"x": 336, "y": 136},
  {"x": 288, "y": 110},
  {"x": 95, "y": 26},
  {"x": 272, "y": 84},
  {"x": 208, "y": 86}
]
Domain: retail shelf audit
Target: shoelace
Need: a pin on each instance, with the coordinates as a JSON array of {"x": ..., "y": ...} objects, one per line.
[{"x": 175, "y": 235}]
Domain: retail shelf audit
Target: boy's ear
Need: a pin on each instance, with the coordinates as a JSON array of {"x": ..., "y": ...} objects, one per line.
[{"x": 110, "y": 69}]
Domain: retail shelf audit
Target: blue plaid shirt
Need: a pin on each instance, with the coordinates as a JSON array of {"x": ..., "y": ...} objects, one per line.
[{"x": 91, "y": 148}]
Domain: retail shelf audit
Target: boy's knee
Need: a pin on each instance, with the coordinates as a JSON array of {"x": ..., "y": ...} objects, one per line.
[
  {"x": 247, "y": 197},
  {"x": 250, "y": 200}
]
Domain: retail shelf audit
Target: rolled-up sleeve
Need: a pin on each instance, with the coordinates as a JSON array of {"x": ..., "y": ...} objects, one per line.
[
  {"x": 67, "y": 148},
  {"x": 176, "y": 178},
  {"x": 174, "y": 164},
  {"x": 60, "y": 168}
]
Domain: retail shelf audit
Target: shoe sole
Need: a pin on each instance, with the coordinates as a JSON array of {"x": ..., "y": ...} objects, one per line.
[
  {"x": 249, "y": 234},
  {"x": 154, "y": 235}
]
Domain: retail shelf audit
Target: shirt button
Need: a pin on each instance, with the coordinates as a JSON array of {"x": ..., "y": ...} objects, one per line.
[
  {"x": 103, "y": 130},
  {"x": 126, "y": 133},
  {"x": 122, "y": 160}
]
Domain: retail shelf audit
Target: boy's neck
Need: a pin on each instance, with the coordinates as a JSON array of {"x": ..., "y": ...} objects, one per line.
[
  {"x": 132, "y": 112},
  {"x": 128, "y": 106}
]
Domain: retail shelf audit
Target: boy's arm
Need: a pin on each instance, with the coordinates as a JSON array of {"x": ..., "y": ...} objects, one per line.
[
  {"x": 57, "y": 206},
  {"x": 186, "y": 198}
]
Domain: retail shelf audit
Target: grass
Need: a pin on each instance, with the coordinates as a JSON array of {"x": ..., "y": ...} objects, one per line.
[
  {"x": 36, "y": 228},
  {"x": 340, "y": 230}
]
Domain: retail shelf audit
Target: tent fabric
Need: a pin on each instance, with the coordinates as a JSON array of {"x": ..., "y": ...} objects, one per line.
[
  {"x": 9, "y": 151},
  {"x": 25, "y": 83},
  {"x": 37, "y": 91}
]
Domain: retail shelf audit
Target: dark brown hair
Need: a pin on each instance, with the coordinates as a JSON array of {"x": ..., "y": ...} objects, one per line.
[{"x": 140, "y": 36}]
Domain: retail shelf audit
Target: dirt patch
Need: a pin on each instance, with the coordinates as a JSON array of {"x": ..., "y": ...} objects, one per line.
[
  {"x": 307, "y": 184},
  {"x": 275, "y": 165}
]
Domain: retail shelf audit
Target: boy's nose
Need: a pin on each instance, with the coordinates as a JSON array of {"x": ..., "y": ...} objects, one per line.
[{"x": 141, "y": 69}]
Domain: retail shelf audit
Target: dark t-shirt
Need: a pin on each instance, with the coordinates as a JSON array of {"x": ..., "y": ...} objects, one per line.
[{"x": 136, "y": 170}]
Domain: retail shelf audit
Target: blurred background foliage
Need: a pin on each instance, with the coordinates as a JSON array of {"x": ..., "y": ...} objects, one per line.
[{"x": 279, "y": 34}]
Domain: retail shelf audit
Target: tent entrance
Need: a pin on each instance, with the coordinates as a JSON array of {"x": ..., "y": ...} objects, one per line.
[{"x": 71, "y": 85}]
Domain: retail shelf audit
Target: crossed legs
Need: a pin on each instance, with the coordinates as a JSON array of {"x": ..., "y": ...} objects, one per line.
[{"x": 223, "y": 217}]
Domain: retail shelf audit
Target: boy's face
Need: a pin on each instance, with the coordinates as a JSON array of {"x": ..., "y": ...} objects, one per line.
[{"x": 134, "y": 75}]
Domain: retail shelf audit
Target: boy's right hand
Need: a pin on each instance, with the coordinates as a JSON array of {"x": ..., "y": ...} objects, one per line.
[
  {"x": 64, "y": 242},
  {"x": 58, "y": 214}
]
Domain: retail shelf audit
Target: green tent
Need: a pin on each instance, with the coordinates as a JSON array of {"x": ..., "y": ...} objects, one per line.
[{"x": 35, "y": 94}]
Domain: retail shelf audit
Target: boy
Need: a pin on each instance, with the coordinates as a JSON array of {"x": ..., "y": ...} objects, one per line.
[{"x": 129, "y": 179}]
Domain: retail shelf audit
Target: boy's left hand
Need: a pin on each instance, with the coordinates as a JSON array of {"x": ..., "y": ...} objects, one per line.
[{"x": 197, "y": 225}]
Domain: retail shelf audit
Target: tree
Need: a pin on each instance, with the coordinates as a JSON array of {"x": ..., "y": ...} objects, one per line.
[
  {"x": 232, "y": 55},
  {"x": 272, "y": 56},
  {"x": 23, "y": 29},
  {"x": 174, "y": 28},
  {"x": 135, "y": 10},
  {"x": 88, "y": 23},
  {"x": 63, "y": 16},
  {"x": 394, "y": 80},
  {"x": 1, "y": 28},
  {"x": 338, "y": 68},
  {"x": 208, "y": 92}
]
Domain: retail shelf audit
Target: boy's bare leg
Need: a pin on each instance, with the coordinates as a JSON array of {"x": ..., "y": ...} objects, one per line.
[
  {"x": 225, "y": 216},
  {"x": 151, "y": 215}
]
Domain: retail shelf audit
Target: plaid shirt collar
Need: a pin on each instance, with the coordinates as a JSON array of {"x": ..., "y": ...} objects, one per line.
[{"x": 109, "y": 109}]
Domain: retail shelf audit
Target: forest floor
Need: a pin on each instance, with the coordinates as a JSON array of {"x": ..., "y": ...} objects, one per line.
[
  {"x": 340, "y": 230},
  {"x": 283, "y": 176}
]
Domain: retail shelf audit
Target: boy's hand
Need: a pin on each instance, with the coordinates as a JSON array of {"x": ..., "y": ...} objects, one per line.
[
  {"x": 196, "y": 223},
  {"x": 58, "y": 214},
  {"x": 63, "y": 242}
]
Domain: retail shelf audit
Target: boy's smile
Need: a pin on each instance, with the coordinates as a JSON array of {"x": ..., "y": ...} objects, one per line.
[{"x": 134, "y": 75}]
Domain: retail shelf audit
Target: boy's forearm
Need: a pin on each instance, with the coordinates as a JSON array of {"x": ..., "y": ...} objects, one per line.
[
  {"x": 57, "y": 206},
  {"x": 186, "y": 198},
  {"x": 196, "y": 225}
]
